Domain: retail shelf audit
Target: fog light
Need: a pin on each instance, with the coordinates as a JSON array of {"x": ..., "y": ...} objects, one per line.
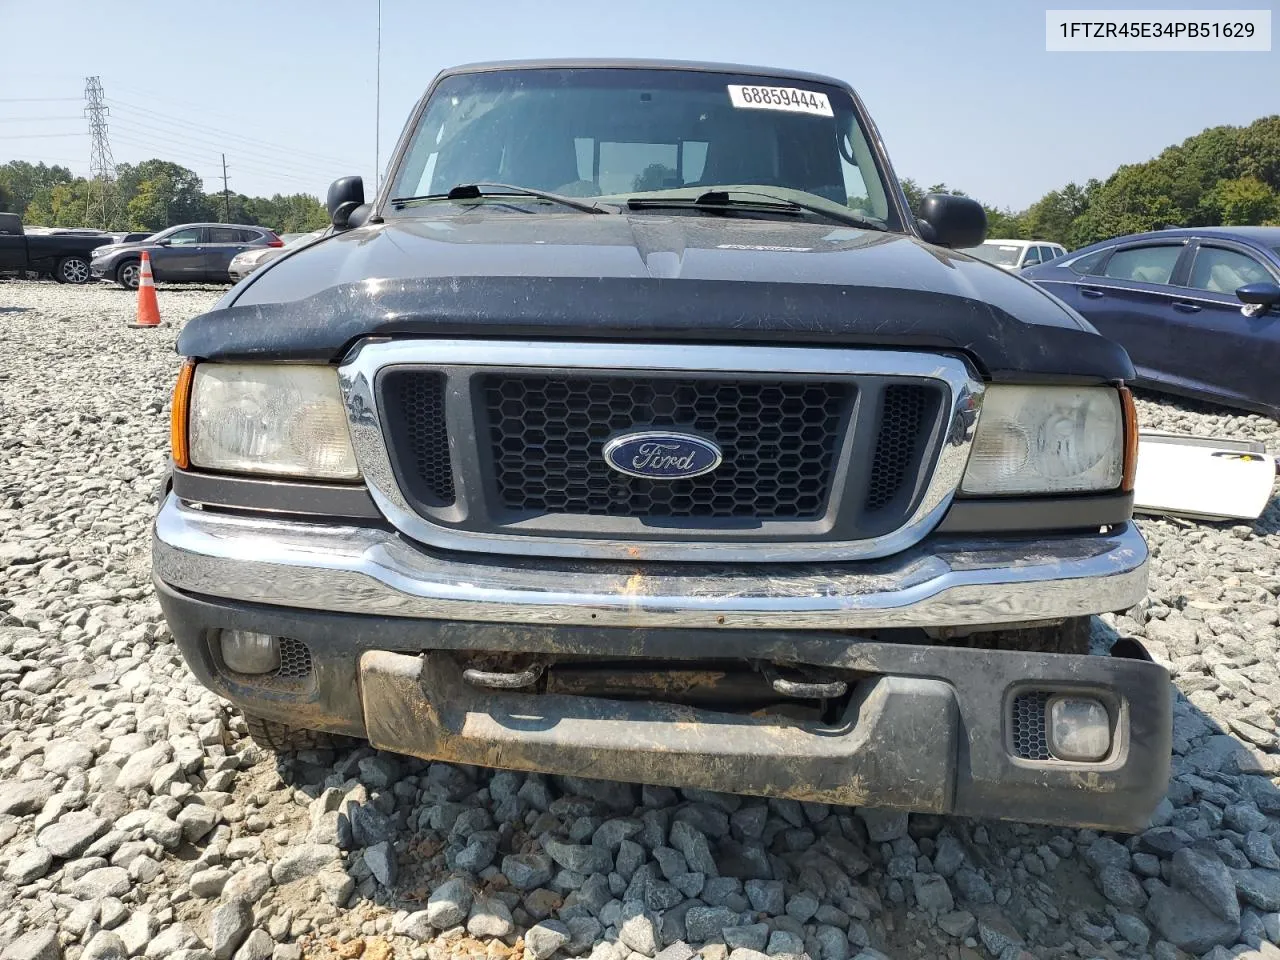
[
  {"x": 1079, "y": 729},
  {"x": 246, "y": 652}
]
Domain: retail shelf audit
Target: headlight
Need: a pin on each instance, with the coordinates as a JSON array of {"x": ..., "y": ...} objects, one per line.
[
  {"x": 1047, "y": 440},
  {"x": 270, "y": 418}
]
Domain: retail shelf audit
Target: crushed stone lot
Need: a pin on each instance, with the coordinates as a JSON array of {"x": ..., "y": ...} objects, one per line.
[{"x": 138, "y": 820}]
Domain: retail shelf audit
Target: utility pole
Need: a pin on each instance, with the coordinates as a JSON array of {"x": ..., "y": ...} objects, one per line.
[
  {"x": 226, "y": 194},
  {"x": 102, "y": 166},
  {"x": 377, "y": 111}
]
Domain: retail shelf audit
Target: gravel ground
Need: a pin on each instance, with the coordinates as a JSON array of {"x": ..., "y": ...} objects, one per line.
[{"x": 137, "y": 819}]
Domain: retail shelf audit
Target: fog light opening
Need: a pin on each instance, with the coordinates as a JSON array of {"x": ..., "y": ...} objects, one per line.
[
  {"x": 246, "y": 652},
  {"x": 1079, "y": 729}
]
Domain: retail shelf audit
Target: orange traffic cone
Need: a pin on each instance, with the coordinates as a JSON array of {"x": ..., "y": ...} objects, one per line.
[{"x": 148, "y": 309}]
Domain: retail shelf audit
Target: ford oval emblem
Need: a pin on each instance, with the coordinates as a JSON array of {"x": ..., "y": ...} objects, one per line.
[{"x": 658, "y": 455}]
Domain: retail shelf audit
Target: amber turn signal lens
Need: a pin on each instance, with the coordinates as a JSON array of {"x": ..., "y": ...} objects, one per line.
[
  {"x": 1130, "y": 410},
  {"x": 178, "y": 420}
]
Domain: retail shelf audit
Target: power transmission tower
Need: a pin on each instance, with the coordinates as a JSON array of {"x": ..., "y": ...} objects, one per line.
[
  {"x": 226, "y": 194},
  {"x": 102, "y": 166}
]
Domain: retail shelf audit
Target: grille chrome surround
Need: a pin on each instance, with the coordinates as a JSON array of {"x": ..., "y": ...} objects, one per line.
[{"x": 359, "y": 377}]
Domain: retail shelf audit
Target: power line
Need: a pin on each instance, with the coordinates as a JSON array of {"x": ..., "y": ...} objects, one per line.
[
  {"x": 35, "y": 119},
  {"x": 223, "y": 134},
  {"x": 188, "y": 154},
  {"x": 214, "y": 146},
  {"x": 36, "y": 136},
  {"x": 101, "y": 164},
  {"x": 39, "y": 99}
]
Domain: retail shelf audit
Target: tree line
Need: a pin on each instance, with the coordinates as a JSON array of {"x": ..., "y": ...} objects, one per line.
[
  {"x": 150, "y": 195},
  {"x": 1223, "y": 176}
]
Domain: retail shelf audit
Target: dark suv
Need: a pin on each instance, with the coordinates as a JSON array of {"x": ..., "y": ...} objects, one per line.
[
  {"x": 637, "y": 430},
  {"x": 187, "y": 253}
]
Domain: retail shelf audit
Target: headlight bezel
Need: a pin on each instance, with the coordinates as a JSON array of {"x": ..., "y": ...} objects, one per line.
[
  {"x": 1043, "y": 414},
  {"x": 282, "y": 421}
]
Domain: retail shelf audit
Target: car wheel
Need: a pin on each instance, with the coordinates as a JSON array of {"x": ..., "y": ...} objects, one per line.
[
  {"x": 282, "y": 738},
  {"x": 72, "y": 270},
  {"x": 127, "y": 274}
]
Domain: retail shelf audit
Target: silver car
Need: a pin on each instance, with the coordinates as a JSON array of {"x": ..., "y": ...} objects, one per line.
[{"x": 243, "y": 264}]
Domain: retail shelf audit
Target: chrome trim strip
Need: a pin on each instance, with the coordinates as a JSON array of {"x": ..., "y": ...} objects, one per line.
[
  {"x": 952, "y": 582},
  {"x": 359, "y": 371}
]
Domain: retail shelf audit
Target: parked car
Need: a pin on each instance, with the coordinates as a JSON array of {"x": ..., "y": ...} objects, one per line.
[
  {"x": 723, "y": 472},
  {"x": 1197, "y": 308},
  {"x": 188, "y": 253},
  {"x": 243, "y": 264},
  {"x": 120, "y": 237},
  {"x": 1016, "y": 254},
  {"x": 65, "y": 256}
]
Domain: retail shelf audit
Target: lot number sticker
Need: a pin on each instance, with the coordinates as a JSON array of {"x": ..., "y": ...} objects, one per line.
[{"x": 780, "y": 98}]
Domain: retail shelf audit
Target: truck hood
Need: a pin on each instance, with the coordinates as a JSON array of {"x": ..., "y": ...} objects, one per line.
[{"x": 649, "y": 277}]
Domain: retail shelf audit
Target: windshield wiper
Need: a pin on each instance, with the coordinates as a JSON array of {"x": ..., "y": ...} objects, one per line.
[
  {"x": 723, "y": 199},
  {"x": 475, "y": 191}
]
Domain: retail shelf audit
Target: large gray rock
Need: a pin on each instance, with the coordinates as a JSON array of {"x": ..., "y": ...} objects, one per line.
[
  {"x": 580, "y": 858},
  {"x": 22, "y": 797},
  {"x": 1261, "y": 888},
  {"x": 29, "y": 866},
  {"x": 102, "y": 882},
  {"x": 1105, "y": 852},
  {"x": 1206, "y": 878},
  {"x": 932, "y": 893},
  {"x": 228, "y": 926},
  {"x": 302, "y": 861},
  {"x": 489, "y": 917},
  {"x": 1187, "y": 923},
  {"x": 71, "y": 835},
  {"x": 766, "y": 896},
  {"x": 142, "y": 766},
  {"x": 105, "y": 945},
  {"x": 705, "y": 923},
  {"x": 450, "y": 904},
  {"x": 527, "y": 871},
  {"x": 381, "y": 860},
  {"x": 249, "y": 885},
  {"x": 883, "y": 826},
  {"x": 415, "y": 926},
  {"x": 692, "y": 842},
  {"x": 257, "y": 946},
  {"x": 66, "y": 756},
  {"x": 1121, "y": 888},
  {"x": 545, "y": 938},
  {"x": 39, "y": 944},
  {"x": 638, "y": 928}
]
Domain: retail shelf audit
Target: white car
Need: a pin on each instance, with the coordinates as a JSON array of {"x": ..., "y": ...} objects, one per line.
[
  {"x": 1016, "y": 254},
  {"x": 243, "y": 264}
]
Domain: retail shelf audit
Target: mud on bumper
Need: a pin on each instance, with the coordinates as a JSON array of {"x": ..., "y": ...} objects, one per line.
[{"x": 925, "y": 728}]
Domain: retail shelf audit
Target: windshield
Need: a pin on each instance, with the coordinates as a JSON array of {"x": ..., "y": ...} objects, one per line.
[
  {"x": 1001, "y": 254},
  {"x": 621, "y": 133}
]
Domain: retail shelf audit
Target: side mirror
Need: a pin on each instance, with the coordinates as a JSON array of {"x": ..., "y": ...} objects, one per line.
[
  {"x": 162, "y": 242},
  {"x": 345, "y": 195},
  {"x": 951, "y": 221},
  {"x": 1030, "y": 262},
  {"x": 1264, "y": 295}
]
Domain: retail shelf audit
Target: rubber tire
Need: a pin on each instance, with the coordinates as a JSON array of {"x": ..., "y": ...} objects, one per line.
[
  {"x": 282, "y": 738},
  {"x": 59, "y": 272},
  {"x": 120, "y": 277},
  {"x": 1071, "y": 636}
]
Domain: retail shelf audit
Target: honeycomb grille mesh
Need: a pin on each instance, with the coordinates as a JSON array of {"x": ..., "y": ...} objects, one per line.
[
  {"x": 906, "y": 413},
  {"x": 416, "y": 405},
  {"x": 295, "y": 660},
  {"x": 779, "y": 441},
  {"x": 1030, "y": 738}
]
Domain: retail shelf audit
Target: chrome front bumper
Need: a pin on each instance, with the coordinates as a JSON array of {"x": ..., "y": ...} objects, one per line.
[{"x": 952, "y": 582}]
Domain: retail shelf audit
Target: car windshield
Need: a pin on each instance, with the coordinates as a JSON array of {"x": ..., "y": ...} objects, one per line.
[
  {"x": 623, "y": 133},
  {"x": 1001, "y": 254}
]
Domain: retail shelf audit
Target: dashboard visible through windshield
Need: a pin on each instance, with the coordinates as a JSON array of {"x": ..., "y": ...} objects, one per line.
[{"x": 621, "y": 133}]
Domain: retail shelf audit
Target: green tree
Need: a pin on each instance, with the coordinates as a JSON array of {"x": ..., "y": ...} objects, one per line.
[
  {"x": 1244, "y": 201},
  {"x": 63, "y": 205},
  {"x": 20, "y": 181},
  {"x": 165, "y": 194}
]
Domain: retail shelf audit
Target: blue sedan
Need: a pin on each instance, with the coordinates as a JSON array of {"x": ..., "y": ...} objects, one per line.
[{"x": 1197, "y": 308}]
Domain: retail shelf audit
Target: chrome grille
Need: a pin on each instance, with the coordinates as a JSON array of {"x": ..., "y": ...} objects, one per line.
[
  {"x": 779, "y": 439},
  {"x": 497, "y": 446}
]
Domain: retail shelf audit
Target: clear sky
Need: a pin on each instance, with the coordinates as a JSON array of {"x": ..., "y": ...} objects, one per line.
[{"x": 963, "y": 92}]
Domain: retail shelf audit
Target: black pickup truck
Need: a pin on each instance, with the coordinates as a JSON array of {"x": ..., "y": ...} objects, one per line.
[
  {"x": 63, "y": 256},
  {"x": 639, "y": 430}
]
